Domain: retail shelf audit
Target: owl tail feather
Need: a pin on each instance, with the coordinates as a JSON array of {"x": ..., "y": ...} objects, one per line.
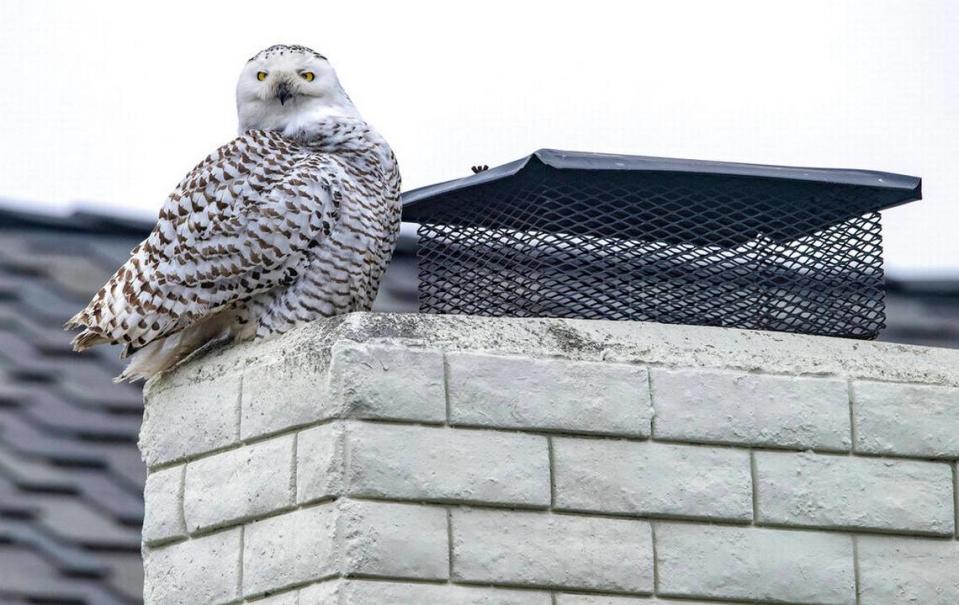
[
  {"x": 88, "y": 338},
  {"x": 161, "y": 355}
]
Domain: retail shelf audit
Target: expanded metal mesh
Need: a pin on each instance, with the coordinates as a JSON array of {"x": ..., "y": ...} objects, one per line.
[{"x": 698, "y": 249}]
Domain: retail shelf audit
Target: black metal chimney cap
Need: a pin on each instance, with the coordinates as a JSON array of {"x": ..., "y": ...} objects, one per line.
[{"x": 881, "y": 189}]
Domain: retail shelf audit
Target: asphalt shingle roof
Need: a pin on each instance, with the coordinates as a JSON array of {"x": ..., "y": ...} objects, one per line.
[{"x": 70, "y": 473}]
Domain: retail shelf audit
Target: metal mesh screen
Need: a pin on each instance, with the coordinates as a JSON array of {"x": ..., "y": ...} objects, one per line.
[{"x": 697, "y": 249}]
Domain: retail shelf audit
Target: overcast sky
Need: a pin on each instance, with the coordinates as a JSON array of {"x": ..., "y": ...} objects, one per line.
[{"x": 108, "y": 104}]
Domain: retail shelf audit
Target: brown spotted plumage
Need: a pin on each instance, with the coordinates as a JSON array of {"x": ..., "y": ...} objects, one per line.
[{"x": 293, "y": 220}]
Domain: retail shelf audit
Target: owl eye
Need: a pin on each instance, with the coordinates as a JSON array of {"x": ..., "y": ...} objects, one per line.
[
  {"x": 308, "y": 76},
  {"x": 261, "y": 75}
]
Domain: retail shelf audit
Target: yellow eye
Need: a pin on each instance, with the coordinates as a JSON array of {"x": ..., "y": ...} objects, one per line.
[
  {"x": 261, "y": 75},
  {"x": 308, "y": 76}
]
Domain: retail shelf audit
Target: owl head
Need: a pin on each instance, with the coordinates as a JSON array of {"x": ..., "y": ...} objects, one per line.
[{"x": 288, "y": 88}]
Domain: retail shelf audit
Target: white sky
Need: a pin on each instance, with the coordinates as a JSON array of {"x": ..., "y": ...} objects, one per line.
[{"x": 108, "y": 104}]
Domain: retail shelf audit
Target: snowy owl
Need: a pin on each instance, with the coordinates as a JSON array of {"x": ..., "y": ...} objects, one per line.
[{"x": 293, "y": 220}]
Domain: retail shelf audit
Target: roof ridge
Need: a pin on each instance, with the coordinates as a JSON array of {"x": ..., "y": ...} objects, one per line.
[{"x": 76, "y": 221}]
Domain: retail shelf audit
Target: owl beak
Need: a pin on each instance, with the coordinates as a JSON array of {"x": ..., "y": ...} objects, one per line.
[{"x": 283, "y": 92}]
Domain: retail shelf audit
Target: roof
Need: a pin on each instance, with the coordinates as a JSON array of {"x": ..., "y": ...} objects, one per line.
[
  {"x": 70, "y": 472},
  {"x": 922, "y": 311},
  {"x": 70, "y": 475}
]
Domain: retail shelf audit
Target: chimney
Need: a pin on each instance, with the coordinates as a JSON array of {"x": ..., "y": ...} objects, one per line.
[{"x": 375, "y": 459}]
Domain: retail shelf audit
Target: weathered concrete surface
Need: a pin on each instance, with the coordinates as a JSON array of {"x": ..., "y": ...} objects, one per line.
[{"x": 659, "y": 344}]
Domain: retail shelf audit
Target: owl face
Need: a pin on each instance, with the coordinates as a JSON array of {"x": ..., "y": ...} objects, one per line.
[{"x": 286, "y": 87}]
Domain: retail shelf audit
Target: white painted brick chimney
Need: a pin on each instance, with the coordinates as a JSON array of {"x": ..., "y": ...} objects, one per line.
[{"x": 378, "y": 459}]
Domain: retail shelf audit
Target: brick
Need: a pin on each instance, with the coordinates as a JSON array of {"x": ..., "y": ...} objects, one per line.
[
  {"x": 579, "y": 599},
  {"x": 851, "y": 492},
  {"x": 285, "y": 394},
  {"x": 187, "y": 420},
  {"x": 906, "y": 420},
  {"x": 329, "y": 592},
  {"x": 394, "y": 540},
  {"x": 287, "y": 598},
  {"x": 239, "y": 484},
  {"x": 201, "y": 570},
  {"x": 358, "y": 592},
  {"x": 908, "y": 571},
  {"x": 162, "y": 515},
  {"x": 652, "y": 479},
  {"x": 389, "y": 382},
  {"x": 751, "y": 409},
  {"x": 747, "y": 563},
  {"x": 539, "y": 549},
  {"x": 292, "y": 548},
  {"x": 320, "y": 455},
  {"x": 549, "y": 394},
  {"x": 584, "y": 599},
  {"x": 443, "y": 464}
]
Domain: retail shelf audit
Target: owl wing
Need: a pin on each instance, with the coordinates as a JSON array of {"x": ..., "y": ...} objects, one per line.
[{"x": 233, "y": 228}]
